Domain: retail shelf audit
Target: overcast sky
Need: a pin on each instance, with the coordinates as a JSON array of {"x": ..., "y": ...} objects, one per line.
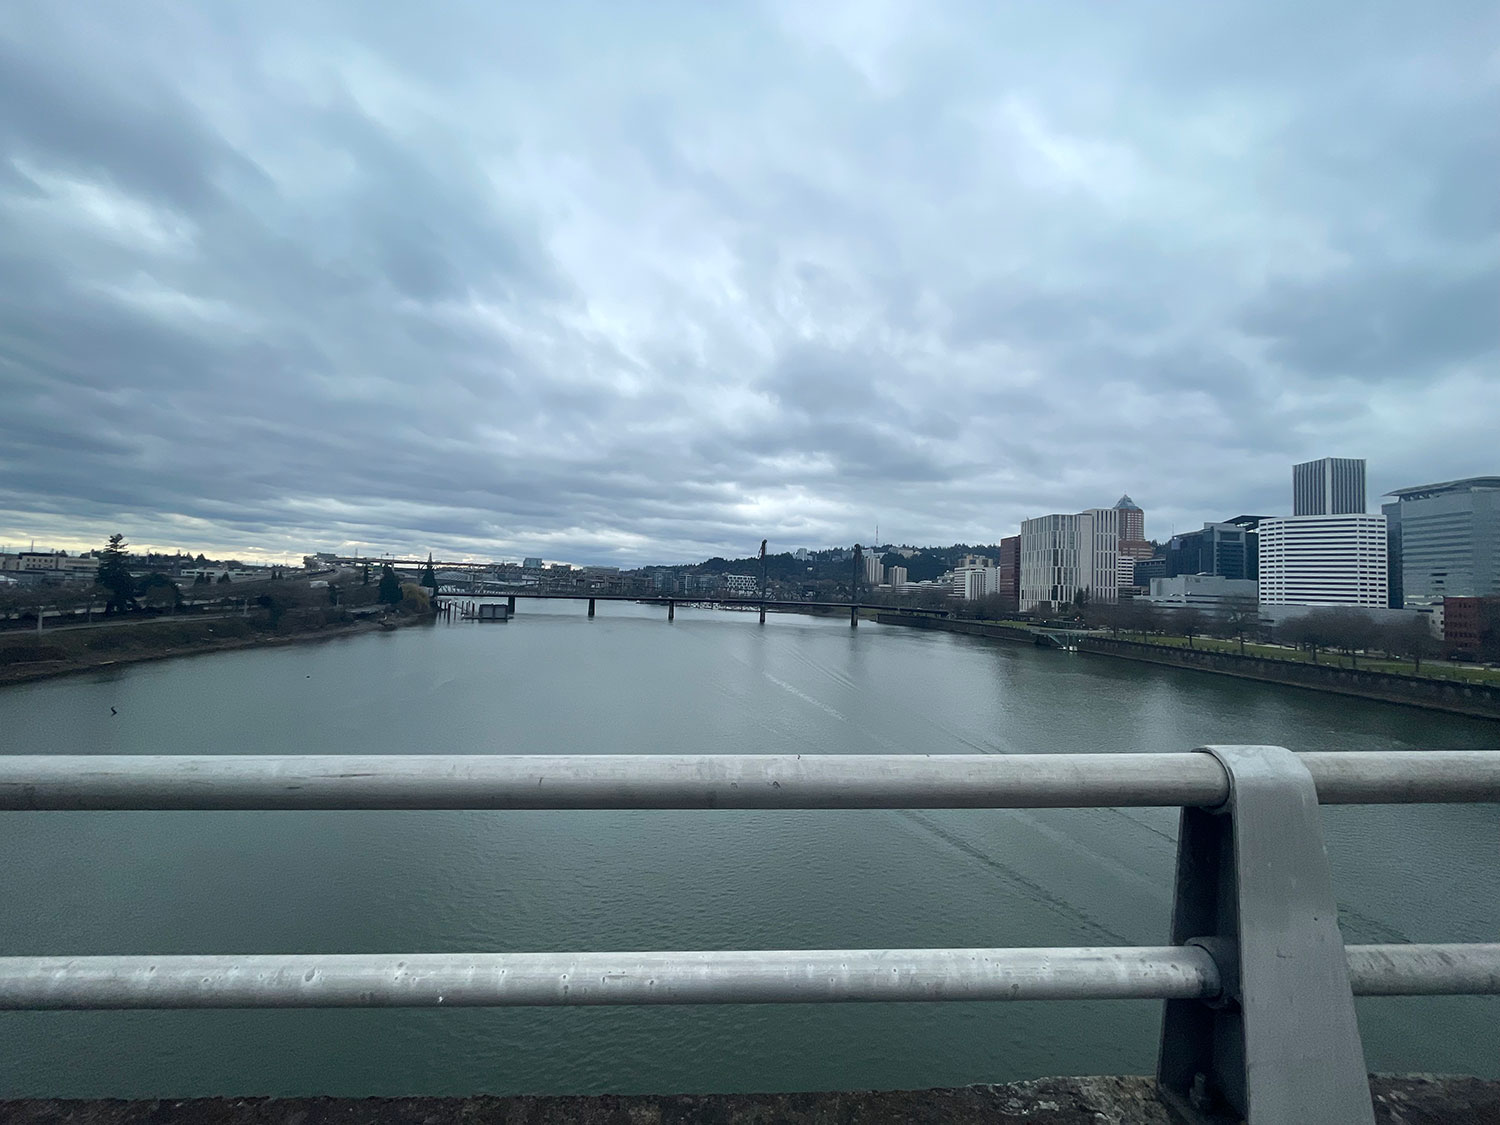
[{"x": 647, "y": 282}]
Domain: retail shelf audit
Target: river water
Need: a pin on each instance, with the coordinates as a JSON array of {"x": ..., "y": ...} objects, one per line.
[{"x": 553, "y": 681}]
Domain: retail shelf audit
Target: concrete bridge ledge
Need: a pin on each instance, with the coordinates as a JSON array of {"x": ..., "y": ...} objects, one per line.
[{"x": 1403, "y": 1100}]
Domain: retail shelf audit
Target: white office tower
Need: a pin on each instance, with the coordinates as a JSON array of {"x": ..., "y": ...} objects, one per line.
[
  {"x": 974, "y": 582},
  {"x": 1063, "y": 554},
  {"x": 1324, "y": 560}
]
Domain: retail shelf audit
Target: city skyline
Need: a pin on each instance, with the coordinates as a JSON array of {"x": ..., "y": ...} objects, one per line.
[
  {"x": 291, "y": 556},
  {"x": 1430, "y": 542},
  {"x": 289, "y": 278}
]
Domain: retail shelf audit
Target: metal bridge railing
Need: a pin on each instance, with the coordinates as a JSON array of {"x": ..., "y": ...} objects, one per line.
[{"x": 1258, "y": 984}]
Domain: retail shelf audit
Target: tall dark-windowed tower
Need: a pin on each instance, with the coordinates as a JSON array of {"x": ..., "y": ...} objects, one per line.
[{"x": 1334, "y": 486}]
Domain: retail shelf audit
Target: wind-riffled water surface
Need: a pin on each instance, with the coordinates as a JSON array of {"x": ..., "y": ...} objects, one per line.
[{"x": 553, "y": 681}]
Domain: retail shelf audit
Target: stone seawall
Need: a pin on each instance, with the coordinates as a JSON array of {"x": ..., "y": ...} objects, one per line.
[
  {"x": 1479, "y": 700},
  {"x": 955, "y": 625}
]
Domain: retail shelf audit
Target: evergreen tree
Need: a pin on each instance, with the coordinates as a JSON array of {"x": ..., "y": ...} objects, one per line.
[
  {"x": 160, "y": 592},
  {"x": 390, "y": 586},
  {"x": 429, "y": 576},
  {"x": 224, "y": 578},
  {"x": 114, "y": 575}
]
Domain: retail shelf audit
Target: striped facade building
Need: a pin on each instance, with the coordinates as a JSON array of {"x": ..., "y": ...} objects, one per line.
[{"x": 1324, "y": 560}]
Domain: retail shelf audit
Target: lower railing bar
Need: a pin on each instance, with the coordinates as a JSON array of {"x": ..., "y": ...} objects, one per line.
[
  {"x": 720, "y": 977},
  {"x": 708, "y": 781}
]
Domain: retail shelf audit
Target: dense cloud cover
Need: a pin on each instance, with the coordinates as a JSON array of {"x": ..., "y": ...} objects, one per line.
[{"x": 647, "y": 282}]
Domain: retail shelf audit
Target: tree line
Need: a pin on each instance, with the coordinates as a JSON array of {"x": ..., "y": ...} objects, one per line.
[
  {"x": 120, "y": 592},
  {"x": 1331, "y": 629}
]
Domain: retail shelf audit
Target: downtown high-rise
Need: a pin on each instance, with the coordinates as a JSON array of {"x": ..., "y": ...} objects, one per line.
[
  {"x": 1332, "y": 486},
  {"x": 1065, "y": 555},
  {"x": 1444, "y": 541}
]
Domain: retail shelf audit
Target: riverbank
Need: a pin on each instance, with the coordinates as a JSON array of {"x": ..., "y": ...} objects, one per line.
[
  {"x": 24, "y": 659},
  {"x": 1403, "y": 1100},
  {"x": 1456, "y": 697}
]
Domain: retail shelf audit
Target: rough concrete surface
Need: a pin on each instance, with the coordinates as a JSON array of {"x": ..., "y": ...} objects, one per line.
[{"x": 1406, "y": 1100}]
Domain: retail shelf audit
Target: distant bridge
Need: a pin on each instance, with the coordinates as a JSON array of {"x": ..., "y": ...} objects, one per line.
[{"x": 672, "y": 601}]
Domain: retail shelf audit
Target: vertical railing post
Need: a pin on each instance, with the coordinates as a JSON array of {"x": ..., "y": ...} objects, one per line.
[
  {"x": 671, "y": 610},
  {"x": 1253, "y": 889},
  {"x": 591, "y": 607}
]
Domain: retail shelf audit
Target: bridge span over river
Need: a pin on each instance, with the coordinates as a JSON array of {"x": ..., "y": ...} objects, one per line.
[{"x": 672, "y": 601}]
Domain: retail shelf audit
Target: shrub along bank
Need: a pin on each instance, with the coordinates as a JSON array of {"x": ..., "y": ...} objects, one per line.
[{"x": 28, "y": 657}]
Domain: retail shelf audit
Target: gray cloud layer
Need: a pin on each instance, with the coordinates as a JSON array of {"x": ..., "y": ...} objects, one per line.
[{"x": 646, "y": 283}]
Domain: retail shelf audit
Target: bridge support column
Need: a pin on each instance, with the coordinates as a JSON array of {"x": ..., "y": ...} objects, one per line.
[
  {"x": 510, "y": 604},
  {"x": 591, "y": 607},
  {"x": 854, "y": 617},
  {"x": 1253, "y": 890},
  {"x": 671, "y": 610},
  {"x": 762, "y": 615}
]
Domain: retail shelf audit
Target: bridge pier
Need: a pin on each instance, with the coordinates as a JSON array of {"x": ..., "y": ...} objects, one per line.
[
  {"x": 762, "y": 614},
  {"x": 854, "y": 617},
  {"x": 671, "y": 610},
  {"x": 591, "y": 607},
  {"x": 510, "y": 604}
]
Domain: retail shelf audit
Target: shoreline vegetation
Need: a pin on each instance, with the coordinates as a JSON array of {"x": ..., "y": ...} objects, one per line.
[
  {"x": 64, "y": 652},
  {"x": 1357, "y": 660},
  {"x": 155, "y": 619},
  {"x": 1433, "y": 689}
]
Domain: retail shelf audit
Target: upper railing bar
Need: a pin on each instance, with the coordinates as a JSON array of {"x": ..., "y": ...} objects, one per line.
[
  {"x": 710, "y": 781},
  {"x": 1404, "y": 777},
  {"x": 715, "y": 977},
  {"x": 529, "y": 979}
]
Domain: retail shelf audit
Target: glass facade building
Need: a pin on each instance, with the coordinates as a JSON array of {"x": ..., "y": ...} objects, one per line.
[{"x": 1444, "y": 541}]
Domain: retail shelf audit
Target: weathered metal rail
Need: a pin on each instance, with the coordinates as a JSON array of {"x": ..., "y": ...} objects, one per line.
[
  {"x": 1257, "y": 983},
  {"x": 797, "y": 976},
  {"x": 712, "y": 781}
]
